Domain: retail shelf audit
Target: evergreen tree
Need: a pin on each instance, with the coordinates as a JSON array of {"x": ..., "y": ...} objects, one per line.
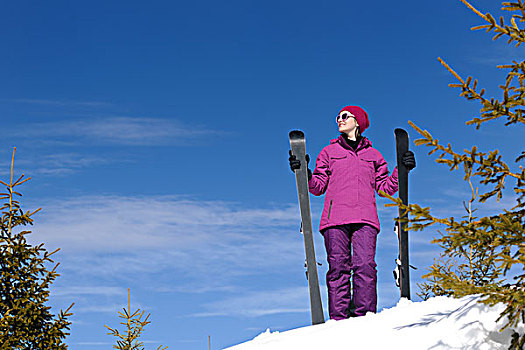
[
  {"x": 128, "y": 339},
  {"x": 479, "y": 252},
  {"x": 25, "y": 320}
]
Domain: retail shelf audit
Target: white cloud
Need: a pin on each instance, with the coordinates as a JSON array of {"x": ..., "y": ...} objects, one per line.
[
  {"x": 131, "y": 131},
  {"x": 260, "y": 303},
  {"x": 210, "y": 287},
  {"x": 123, "y": 223},
  {"x": 122, "y": 237},
  {"x": 89, "y": 290},
  {"x": 170, "y": 244},
  {"x": 62, "y": 103},
  {"x": 101, "y": 308},
  {"x": 63, "y": 163}
]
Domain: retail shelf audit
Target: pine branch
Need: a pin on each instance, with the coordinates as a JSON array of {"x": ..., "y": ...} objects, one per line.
[
  {"x": 494, "y": 109},
  {"x": 513, "y": 32},
  {"x": 491, "y": 168}
]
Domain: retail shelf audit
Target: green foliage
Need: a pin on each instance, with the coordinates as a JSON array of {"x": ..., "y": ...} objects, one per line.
[
  {"x": 478, "y": 252},
  {"x": 134, "y": 326},
  {"x": 25, "y": 320}
]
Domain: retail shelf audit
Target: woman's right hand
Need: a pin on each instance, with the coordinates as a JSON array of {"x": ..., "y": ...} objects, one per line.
[{"x": 296, "y": 163}]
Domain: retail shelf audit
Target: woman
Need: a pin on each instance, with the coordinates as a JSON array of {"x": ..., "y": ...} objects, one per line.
[{"x": 349, "y": 172}]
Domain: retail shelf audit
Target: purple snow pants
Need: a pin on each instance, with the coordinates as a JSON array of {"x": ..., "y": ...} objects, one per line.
[{"x": 351, "y": 251}]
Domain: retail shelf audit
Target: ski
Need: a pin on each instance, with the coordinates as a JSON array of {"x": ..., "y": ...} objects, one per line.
[
  {"x": 298, "y": 145},
  {"x": 402, "y": 263}
]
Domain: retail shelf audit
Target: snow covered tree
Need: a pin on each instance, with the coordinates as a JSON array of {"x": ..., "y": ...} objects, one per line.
[
  {"x": 479, "y": 252},
  {"x": 25, "y": 320}
]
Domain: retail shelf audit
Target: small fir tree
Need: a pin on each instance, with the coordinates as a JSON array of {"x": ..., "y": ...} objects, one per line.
[
  {"x": 25, "y": 320},
  {"x": 479, "y": 252},
  {"x": 128, "y": 340}
]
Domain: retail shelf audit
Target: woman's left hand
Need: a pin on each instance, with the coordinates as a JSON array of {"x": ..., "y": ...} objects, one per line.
[{"x": 409, "y": 160}]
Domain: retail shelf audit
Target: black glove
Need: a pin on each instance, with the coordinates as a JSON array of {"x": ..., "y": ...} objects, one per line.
[
  {"x": 409, "y": 160},
  {"x": 296, "y": 163}
]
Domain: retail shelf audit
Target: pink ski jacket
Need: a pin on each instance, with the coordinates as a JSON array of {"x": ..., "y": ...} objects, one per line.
[{"x": 350, "y": 179}]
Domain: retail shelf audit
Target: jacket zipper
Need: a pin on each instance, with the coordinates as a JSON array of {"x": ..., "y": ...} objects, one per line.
[{"x": 330, "y": 209}]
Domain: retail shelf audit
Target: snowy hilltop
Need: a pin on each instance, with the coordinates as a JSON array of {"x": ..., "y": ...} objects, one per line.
[{"x": 438, "y": 323}]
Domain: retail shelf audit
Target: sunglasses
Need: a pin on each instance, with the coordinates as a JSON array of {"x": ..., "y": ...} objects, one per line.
[{"x": 343, "y": 116}]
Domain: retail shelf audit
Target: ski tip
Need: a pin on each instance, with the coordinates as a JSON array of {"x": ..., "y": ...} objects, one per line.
[
  {"x": 296, "y": 135},
  {"x": 399, "y": 131}
]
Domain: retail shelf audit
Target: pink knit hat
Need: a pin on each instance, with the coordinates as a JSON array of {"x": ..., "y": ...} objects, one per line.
[{"x": 360, "y": 116}]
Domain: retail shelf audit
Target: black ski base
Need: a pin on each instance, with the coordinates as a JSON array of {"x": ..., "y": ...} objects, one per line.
[{"x": 402, "y": 263}]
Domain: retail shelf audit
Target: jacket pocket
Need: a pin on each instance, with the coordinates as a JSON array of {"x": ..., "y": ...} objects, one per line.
[
  {"x": 367, "y": 170},
  {"x": 338, "y": 163},
  {"x": 330, "y": 209},
  {"x": 334, "y": 157}
]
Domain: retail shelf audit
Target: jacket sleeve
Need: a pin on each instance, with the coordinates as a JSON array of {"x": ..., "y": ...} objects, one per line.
[
  {"x": 384, "y": 182},
  {"x": 319, "y": 181}
]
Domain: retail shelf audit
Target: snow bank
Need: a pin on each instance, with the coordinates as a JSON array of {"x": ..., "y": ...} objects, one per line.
[{"x": 438, "y": 323}]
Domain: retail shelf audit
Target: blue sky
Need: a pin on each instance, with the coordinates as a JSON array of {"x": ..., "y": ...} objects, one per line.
[{"x": 155, "y": 134}]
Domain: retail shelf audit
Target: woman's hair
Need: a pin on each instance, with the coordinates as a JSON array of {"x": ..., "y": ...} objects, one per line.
[{"x": 357, "y": 132}]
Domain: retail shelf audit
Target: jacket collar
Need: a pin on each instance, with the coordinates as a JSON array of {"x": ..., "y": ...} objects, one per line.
[{"x": 364, "y": 143}]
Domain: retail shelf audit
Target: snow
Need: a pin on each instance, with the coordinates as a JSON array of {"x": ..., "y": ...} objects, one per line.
[{"x": 437, "y": 323}]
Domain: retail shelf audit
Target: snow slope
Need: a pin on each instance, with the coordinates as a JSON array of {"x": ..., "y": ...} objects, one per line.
[{"x": 438, "y": 323}]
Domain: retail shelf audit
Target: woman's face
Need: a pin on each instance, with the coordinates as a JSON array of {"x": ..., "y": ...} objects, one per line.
[{"x": 347, "y": 126}]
